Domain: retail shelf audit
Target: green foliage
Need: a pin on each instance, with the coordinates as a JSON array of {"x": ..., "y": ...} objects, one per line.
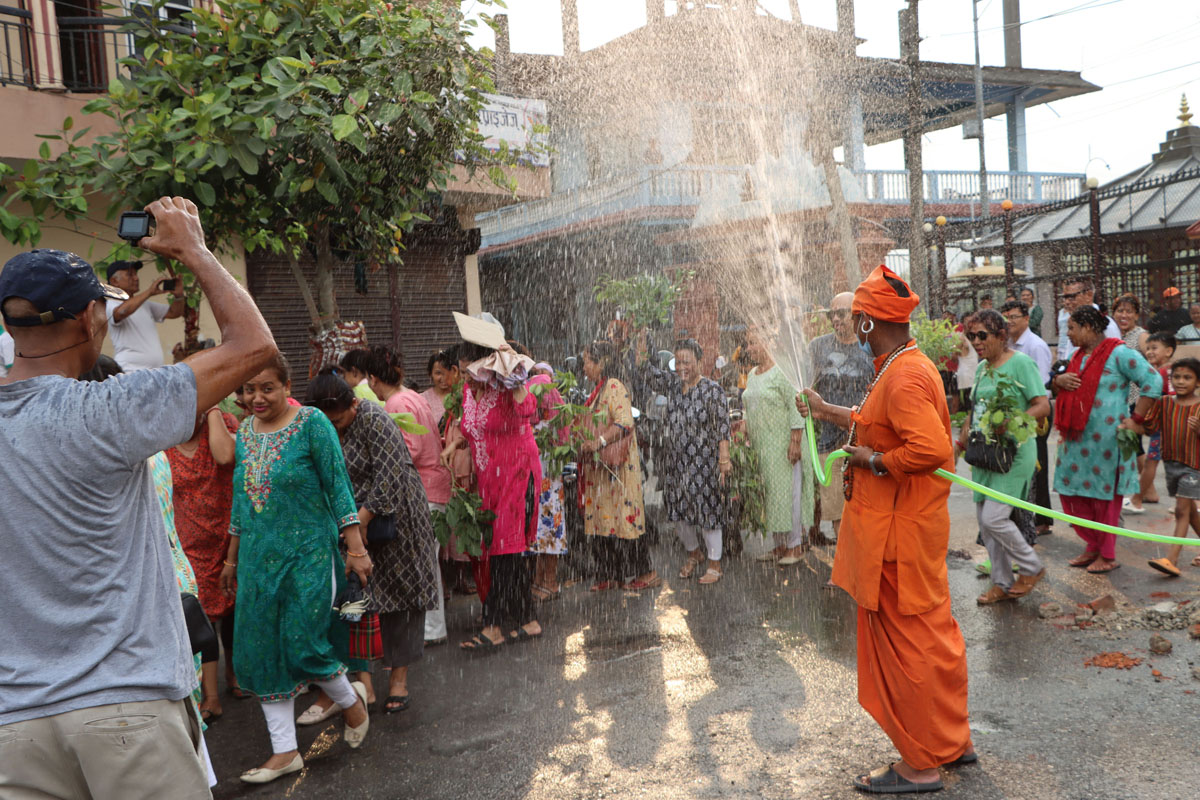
[
  {"x": 285, "y": 120},
  {"x": 454, "y": 401},
  {"x": 936, "y": 338},
  {"x": 645, "y": 299},
  {"x": 571, "y": 416},
  {"x": 408, "y": 423},
  {"x": 746, "y": 486},
  {"x": 1127, "y": 443},
  {"x": 1002, "y": 414},
  {"x": 467, "y": 519}
]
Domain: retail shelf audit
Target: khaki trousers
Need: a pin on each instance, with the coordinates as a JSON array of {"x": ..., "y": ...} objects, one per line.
[{"x": 124, "y": 751}]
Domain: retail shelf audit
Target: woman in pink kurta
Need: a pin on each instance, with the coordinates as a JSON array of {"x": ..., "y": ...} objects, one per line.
[{"x": 498, "y": 426}]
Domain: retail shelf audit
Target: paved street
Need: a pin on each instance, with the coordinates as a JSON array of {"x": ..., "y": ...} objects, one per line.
[{"x": 747, "y": 689}]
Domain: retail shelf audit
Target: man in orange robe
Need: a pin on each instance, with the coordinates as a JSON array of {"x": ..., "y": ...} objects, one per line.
[{"x": 891, "y": 554}]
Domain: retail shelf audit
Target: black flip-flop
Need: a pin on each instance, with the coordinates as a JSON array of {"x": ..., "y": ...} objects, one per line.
[
  {"x": 962, "y": 761},
  {"x": 522, "y": 635},
  {"x": 435, "y": 642},
  {"x": 479, "y": 644},
  {"x": 395, "y": 703},
  {"x": 212, "y": 716},
  {"x": 892, "y": 782}
]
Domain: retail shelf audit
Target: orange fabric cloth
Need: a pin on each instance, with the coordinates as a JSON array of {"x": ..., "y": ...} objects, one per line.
[
  {"x": 912, "y": 677},
  {"x": 878, "y": 298},
  {"x": 900, "y": 517}
]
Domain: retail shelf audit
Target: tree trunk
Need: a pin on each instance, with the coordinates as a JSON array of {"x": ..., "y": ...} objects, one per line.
[
  {"x": 326, "y": 297},
  {"x": 305, "y": 292},
  {"x": 841, "y": 219}
]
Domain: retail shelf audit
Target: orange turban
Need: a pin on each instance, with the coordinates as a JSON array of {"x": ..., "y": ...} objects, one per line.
[{"x": 884, "y": 296}]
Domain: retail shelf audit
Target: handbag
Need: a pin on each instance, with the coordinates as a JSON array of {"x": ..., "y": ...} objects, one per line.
[
  {"x": 201, "y": 635},
  {"x": 616, "y": 452},
  {"x": 381, "y": 529},
  {"x": 994, "y": 456}
]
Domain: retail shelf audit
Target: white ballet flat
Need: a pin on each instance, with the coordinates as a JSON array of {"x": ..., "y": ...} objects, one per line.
[
  {"x": 264, "y": 775},
  {"x": 314, "y": 714},
  {"x": 355, "y": 736}
]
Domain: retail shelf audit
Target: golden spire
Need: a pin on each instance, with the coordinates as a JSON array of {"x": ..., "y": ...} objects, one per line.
[{"x": 1185, "y": 116}]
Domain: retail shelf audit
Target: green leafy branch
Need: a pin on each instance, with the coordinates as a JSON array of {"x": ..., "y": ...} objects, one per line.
[
  {"x": 1002, "y": 414},
  {"x": 645, "y": 299},
  {"x": 746, "y": 486},
  {"x": 468, "y": 520}
]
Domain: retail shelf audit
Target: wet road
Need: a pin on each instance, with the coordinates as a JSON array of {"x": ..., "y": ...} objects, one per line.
[{"x": 747, "y": 689}]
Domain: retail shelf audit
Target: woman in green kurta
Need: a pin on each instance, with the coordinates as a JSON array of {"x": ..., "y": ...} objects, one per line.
[
  {"x": 1015, "y": 377},
  {"x": 777, "y": 435},
  {"x": 291, "y": 498}
]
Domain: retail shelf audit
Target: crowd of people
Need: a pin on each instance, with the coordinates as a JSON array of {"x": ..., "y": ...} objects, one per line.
[{"x": 298, "y": 533}]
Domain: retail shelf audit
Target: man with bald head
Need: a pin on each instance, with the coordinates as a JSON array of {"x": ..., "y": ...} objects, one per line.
[{"x": 841, "y": 370}]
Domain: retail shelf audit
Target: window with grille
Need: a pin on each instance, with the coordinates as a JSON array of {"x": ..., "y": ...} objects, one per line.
[{"x": 1187, "y": 275}]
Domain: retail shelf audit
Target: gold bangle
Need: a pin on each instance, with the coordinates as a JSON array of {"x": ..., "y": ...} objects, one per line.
[
  {"x": 230, "y": 565},
  {"x": 355, "y": 555}
]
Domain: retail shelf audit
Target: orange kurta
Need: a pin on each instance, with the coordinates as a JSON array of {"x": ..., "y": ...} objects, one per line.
[{"x": 891, "y": 558}]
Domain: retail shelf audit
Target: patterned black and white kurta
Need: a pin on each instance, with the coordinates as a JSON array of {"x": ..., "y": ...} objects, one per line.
[
  {"x": 386, "y": 482},
  {"x": 697, "y": 422}
]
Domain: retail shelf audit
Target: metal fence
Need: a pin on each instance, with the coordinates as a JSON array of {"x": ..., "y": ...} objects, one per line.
[{"x": 16, "y": 61}]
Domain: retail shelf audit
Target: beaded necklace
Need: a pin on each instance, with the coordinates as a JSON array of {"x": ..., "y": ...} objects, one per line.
[{"x": 848, "y": 474}]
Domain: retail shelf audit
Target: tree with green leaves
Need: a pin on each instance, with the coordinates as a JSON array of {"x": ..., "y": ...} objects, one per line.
[{"x": 325, "y": 126}]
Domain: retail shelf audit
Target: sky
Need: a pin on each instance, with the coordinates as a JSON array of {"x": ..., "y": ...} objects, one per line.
[{"x": 1143, "y": 53}]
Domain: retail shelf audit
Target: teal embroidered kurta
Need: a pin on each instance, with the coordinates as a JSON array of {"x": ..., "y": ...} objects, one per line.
[
  {"x": 291, "y": 497},
  {"x": 1091, "y": 466}
]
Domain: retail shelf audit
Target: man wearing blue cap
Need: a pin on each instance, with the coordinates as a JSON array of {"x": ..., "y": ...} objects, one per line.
[
  {"x": 95, "y": 659},
  {"x": 132, "y": 321}
]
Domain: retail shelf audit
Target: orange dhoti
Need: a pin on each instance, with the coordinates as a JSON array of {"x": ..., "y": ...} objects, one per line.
[{"x": 912, "y": 677}]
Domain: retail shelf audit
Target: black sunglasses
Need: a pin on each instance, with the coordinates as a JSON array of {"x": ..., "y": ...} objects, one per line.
[
  {"x": 1070, "y": 295},
  {"x": 838, "y": 313},
  {"x": 977, "y": 336}
]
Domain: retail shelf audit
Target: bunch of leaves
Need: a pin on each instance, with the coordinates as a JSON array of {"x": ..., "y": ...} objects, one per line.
[
  {"x": 645, "y": 299},
  {"x": 454, "y": 401},
  {"x": 1127, "y": 443},
  {"x": 468, "y": 520},
  {"x": 330, "y": 123},
  {"x": 408, "y": 423},
  {"x": 936, "y": 338},
  {"x": 746, "y": 486},
  {"x": 570, "y": 416},
  {"x": 1002, "y": 414},
  {"x": 957, "y": 419}
]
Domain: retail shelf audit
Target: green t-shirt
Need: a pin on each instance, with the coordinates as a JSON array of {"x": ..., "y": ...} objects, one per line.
[{"x": 1023, "y": 371}]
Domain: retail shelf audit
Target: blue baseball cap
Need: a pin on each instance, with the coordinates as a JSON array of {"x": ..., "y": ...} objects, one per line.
[
  {"x": 58, "y": 283},
  {"x": 117, "y": 266}
]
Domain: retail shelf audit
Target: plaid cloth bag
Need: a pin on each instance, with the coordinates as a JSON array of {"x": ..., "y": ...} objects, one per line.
[{"x": 366, "y": 642}]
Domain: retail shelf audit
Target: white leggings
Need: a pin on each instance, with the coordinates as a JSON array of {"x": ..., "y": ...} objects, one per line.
[
  {"x": 793, "y": 538},
  {"x": 690, "y": 534},
  {"x": 281, "y": 722}
]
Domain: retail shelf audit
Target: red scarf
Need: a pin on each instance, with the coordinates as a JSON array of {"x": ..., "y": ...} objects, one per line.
[{"x": 1073, "y": 407}]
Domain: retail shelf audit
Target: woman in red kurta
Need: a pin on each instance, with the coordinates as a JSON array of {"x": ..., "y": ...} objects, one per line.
[
  {"x": 891, "y": 556},
  {"x": 498, "y": 425},
  {"x": 202, "y": 478}
]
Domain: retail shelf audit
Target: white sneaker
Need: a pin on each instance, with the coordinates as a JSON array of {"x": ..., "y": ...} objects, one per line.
[{"x": 1129, "y": 508}]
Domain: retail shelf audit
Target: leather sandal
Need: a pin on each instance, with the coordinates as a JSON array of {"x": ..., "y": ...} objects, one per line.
[
  {"x": 994, "y": 595},
  {"x": 1083, "y": 559},
  {"x": 689, "y": 567},
  {"x": 1025, "y": 583},
  {"x": 710, "y": 576}
]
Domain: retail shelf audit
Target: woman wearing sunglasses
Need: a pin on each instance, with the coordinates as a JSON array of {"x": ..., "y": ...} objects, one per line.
[{"x": 1003, "y": 370}]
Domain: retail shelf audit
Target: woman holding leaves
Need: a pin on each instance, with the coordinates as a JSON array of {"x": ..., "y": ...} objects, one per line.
[
  {"x": 610, "y": 479},
  {"x": 1008, "y": 398},
  {"x": 497, "y": 423},
  {"x": 1093, "y": 471}
]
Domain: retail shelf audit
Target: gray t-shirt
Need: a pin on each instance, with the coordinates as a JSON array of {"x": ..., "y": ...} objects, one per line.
[
  {"x": 89, "y": 605},
  {"x": 841, "y": 374}
]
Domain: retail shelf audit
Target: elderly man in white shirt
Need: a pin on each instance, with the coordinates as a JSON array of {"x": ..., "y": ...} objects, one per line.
[
  {"x": 1023, "y": 340},
  {"x": 1078, "y": 292}
]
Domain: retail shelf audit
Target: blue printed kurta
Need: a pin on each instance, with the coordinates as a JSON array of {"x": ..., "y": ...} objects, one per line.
[
  {"x": 291, "y": 497},
  {"x": 1091, "y": 466}
]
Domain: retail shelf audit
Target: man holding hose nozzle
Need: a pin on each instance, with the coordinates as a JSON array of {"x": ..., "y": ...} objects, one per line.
[
  {"x": 94, "y": 640},
  {"x": 891, "y": 555}
]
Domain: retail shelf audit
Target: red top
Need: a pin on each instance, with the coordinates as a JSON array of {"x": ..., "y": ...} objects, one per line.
[{"x": 203, "y": 491}]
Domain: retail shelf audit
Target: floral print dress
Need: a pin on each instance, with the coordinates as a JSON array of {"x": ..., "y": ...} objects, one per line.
[
  {"x": 551, "y": 537},
  {"x": 291, "y": 497},
  {"x": 612, "y": 496}
]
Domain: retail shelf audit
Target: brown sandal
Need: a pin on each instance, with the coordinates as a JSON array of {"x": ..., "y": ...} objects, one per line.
[
  {"x": 689, "y": 567},
  {"x": 710, "y": 576},
  {"x": 1084, "y": 559}
]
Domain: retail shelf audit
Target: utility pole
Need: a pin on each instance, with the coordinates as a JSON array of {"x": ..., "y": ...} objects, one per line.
[
  {"x": 918, "y": 256},
  {"x": 984, "y": 203}
]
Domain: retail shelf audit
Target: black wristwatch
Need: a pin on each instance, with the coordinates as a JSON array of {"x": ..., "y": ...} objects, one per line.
[{"x": 875, "y": 468}]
